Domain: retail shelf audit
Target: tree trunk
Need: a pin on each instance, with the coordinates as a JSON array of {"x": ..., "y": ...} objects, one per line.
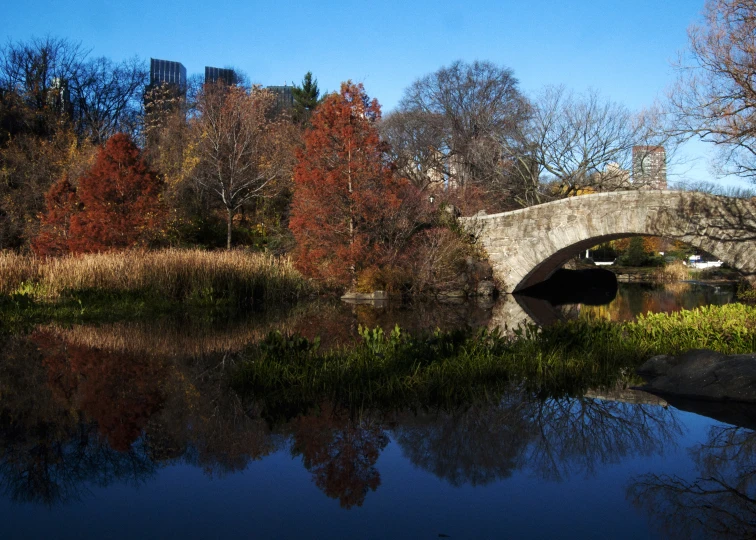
[
  {"x": 230, "y": 222},
  {"x": 352, "y": 267}
]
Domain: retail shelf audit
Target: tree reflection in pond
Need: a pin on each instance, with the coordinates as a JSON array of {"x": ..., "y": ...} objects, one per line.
[
  {"x": 554, "y": 439},
  {"x": 74, "y": 416},
  {"x": 477, "y": 445},
  {"x": 574, "y": 436},
  {"x": 340, "y": 452},
  {"x": 49, "y": 452},
  {"x": 720, "y": 502}
]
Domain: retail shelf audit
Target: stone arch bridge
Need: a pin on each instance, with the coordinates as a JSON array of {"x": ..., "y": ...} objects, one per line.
[{"x": 526, "y": 246}]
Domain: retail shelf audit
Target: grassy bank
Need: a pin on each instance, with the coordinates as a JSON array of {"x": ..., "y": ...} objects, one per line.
[
  {"x": 567, "y": 359},
  {"x": 177, "y": 275}
]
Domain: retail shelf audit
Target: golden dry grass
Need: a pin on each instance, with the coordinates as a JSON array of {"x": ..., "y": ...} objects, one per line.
[
  {"x": 675, "y": 271},
  {"x": 170, "y": 273},
  {"x": 16, "y": 270}
]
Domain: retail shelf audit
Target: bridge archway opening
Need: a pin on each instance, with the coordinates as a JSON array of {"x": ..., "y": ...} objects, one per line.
[{"x": 549, "y": 266}]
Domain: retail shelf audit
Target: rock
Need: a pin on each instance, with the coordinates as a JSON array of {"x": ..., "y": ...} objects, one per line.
[
  {"x": 486, "y": 288},
  {"x": 702, "y": 374},
  {"x": 357, "y": 298},
  {"x": 454, "y": 293}
]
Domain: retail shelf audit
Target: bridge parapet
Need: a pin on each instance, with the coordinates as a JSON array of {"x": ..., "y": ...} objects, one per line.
[{"x": 526, "y": 246}]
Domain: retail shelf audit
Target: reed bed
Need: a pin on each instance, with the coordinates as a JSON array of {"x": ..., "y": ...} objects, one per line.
[
  {"x": 16, "y": 271},
  {"x": 675, "y": 271},
  {"x": 173, "y": 273}
]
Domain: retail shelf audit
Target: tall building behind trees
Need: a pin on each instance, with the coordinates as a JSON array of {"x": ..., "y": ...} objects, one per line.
[
  {"x": 165, "y": 94},
  {"x": 650, "y": 167},
  {"x": 284, "y": 98},
  {"x": 59, "y": 97},
  {"x": 167, "y": 72},
  {"x": 214, "y": 74}
]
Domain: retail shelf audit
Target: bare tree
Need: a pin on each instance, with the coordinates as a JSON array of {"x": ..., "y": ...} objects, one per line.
[
  {"x": 31, "y": 75},
  {"x": 108, "y": 97},
  {"x": 100, "y": 96},
  {"x": 585, "y": 142},
  {"x": 241, "y": 153},
  {"x": 715, "y": 95},
  {"x": 31, "y": 68},
  {"x": 457, "y": 127},
  {"x": 415, "y": 139}
]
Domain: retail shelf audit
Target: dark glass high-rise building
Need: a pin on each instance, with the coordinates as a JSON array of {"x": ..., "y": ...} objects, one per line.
[
  {"x": 165, "y": 93},
  {"x": 284, "y": 97},
  {"x": 167, "y": 72},
  {"x": 214, "y": 74}
]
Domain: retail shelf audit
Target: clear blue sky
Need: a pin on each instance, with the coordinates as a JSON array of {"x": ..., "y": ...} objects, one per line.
[{"x": 623, "y": 49}]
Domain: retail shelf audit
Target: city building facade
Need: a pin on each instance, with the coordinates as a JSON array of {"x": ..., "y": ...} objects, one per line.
[
  {"x": 167, "y": 72},
  {"x": 214, "y": 74},
  {"x": 650, "y": 167}
]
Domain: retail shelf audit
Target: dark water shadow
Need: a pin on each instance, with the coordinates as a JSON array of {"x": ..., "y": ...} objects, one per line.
[{"x": 593, "y": 287}]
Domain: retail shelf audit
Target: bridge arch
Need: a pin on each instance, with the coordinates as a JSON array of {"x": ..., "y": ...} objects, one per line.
[{"x": 527, "y": 246}]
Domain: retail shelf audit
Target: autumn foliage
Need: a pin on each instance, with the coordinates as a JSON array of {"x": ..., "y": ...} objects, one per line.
[
  {"x": 62, "y": 203},
  {"x": 345, "y": 192},
  {"x": 116, "y": 205}
]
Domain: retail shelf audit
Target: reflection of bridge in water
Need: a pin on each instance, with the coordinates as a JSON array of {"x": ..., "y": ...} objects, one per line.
[{"x": 527, "y": 246}]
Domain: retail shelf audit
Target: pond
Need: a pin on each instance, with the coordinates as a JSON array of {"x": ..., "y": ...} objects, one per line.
[{"x": 127, "y": 430}]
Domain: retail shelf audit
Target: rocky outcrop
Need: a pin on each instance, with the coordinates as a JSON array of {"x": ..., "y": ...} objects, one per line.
[
  {"x": 702, "y": 374},
  {"x": 475, "y": 279}
]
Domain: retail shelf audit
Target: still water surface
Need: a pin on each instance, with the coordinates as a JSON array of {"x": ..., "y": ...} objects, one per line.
[{"x": 130, "y": 430}]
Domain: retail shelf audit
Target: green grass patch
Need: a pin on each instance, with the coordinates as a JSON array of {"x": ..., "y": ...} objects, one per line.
[{"x": 385, "y": 370}]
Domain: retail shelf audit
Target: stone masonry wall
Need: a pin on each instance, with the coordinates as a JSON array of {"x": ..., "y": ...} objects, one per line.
[{"x": 526, "y": 246}]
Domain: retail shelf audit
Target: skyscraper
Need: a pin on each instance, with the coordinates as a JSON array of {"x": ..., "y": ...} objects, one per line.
[
  {"x": 214, "y": 74},
  {"x": 167, "y": 72},
  {"x": 284, "y": 97},
  {"x": 650, "y": 167},
  {"x": 59, "y": 97},
  {"x": 165, "y": 93}
]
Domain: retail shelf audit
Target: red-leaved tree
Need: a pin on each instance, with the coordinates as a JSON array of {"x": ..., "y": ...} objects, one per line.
[
  {"x": 61, "y": 202},
  {"x": 344, "y": 190},
  {"x": 116, "y": 205}
]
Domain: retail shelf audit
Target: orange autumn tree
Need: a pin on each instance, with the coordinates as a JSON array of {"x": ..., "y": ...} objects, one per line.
[
  {"x": 115, "y": 205},
  {"x": 344, "y": 190},
  {"x": 61, "y": 202}
]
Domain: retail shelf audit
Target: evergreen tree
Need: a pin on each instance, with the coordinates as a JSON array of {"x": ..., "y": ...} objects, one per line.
[{"x": 306, "y": 99}]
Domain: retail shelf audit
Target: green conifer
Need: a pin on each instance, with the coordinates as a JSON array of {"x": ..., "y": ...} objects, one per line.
[{"x": 306, "y": 99}]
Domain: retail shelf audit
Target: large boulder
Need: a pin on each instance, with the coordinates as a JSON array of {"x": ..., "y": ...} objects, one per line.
[{"x": 702, "y": 374}]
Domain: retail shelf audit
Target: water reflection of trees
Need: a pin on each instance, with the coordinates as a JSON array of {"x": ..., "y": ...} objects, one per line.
[
  {"x": 554, "y": 439},
  {"x": 74, "y": 416},
  {"x": 340, "y": 451},
  {"x": 720, "y": 502},
  {"x": 636, "y": 298},
  {"x": 50, "y": 453},
  {"x": 574, "y": 436},
  {"x": 477, "y": 445}
]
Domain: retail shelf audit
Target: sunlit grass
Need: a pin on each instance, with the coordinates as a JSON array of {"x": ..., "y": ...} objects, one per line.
[{"x": 172, "y": 274}]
